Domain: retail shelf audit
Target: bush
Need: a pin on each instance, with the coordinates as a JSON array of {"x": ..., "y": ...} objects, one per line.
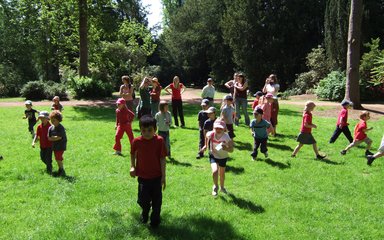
[
  {"x": 10, "y": 81},
  {"x": 39, "y": 90},
  {"x": 332, "y": 87},
  {"x": 84, "y": 87}
]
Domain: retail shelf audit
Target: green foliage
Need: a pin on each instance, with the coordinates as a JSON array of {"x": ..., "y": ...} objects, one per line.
[
  {"x": 10, "y": 81},
  {"x": 378, "y": 70},
  {"x": 85, "y": 87},
  {"x": 39, "y": 90},
  {"x": 332, "y": 87},
  {"x": 150, "y": 71}
]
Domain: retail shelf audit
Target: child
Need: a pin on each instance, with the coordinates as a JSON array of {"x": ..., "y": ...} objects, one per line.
[
  {"x": 45, "y": 144},
  {"x": 208, "y": 124},
  {"x": 228, "y": 114},
  {"x": 360, "y": 134},
  {"x": 220, "y": 144},
  {"x": 58, "y": 137},
  {"x": 29, "y": 113},
  {"x": 201, "y": 118},
  {"x": 257, "y": 96},
  {"x": 265, "y": 104},
  {"x": 164, "y": 121},
  {"x": 148, "y": 164},
  {"x": 342, "y": 123},
  {"x": 305, "y": 136},
  {"x": 209, "y": 91},
  {"x": 380, "y": 153},
  {"x": 124, "y": 118},
  {"x": 259, "y": 132},
  {"x": 56, "y": 104},
  {"x": 155, "y": 96}
]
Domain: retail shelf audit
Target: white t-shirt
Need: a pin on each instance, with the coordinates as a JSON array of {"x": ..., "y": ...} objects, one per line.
[
  {"x": 274, "y": 89},
  {"x": 218, "y": 154}
]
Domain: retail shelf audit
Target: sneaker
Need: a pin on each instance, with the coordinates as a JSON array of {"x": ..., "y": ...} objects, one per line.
[
  {"x": 343, "y": 152},
  {"x": 293, "y": 155},
  {"x": 367, "y": 152},
  {"x": 223, "y": 190},
  {"x": 370, "y": 160},
  {"x": 199, "y": 155},
  {"x": 266, "y": 154},
  {"x": 118, "y": 153},
  {"x": 214, "y": 190},
  {"x": 318, "y": 156},
  {"x": 254, "y": 156},
  {"x": 144, "y": 218},
  {"x": 61, "y": 173}
]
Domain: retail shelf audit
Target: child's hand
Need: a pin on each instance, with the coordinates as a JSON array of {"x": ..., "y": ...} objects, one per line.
[
  {"x": 132, "y": 172},
  {"x": 163, "y": 182},
  {"x": 314, "y": 126}
]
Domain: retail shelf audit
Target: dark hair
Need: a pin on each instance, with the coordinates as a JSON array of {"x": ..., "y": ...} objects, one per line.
[
  {"x": 242, "y": 76},
  {"x": 162, "y": 105},
  {"x": 57, "y": 115},
  {"x": 147, "y": 121}
]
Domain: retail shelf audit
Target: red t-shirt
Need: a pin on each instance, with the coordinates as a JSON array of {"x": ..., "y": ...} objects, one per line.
[
  {"x": 42, "y": 133},
  {"x": 148, "y": 155},
  {"x": 359, "y": 133},
  {"x": 255, "y": 103},
  {"x": 155, "y": 93},
  {"x": 342, "y": 118},
  {"x": 176, "y": 92},
  {"x": 124, "y": 116},
  {"x": 307, "y": 118}
]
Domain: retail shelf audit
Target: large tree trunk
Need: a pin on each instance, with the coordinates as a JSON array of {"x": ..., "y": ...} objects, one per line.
[
  {"x": 83, "y": 32},
  {"x": 352, "y": 91}
]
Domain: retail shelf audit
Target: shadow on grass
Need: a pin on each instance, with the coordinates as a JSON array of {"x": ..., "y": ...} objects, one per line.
[
  {"x": 173, "y": 161},
  {"x": 67, "y": 178},
  {"x": 235, "y": 170},
  {"x": 279, "y": 165},
  {"x": 288, "y": 112},
  {"x": 189, "y": 128},
  {"x": 243, "y": 203},
  {"x": 243, "y": 145},
  {"x": 280, "y": 146},
  {"x": 327, "y": 161}
]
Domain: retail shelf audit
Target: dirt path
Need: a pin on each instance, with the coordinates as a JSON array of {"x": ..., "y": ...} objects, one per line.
[{"x": 193, "y": 96}]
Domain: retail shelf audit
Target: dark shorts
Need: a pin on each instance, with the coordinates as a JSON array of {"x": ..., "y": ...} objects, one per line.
[
  {"x": 306, "y": 138},
  {"x": 220, "y": 162}
]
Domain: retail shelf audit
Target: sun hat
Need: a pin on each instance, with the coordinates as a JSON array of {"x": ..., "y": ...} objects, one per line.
[
  {"x": 120, "y": 101},
  {"x": 44, "y": 114},
  {"x": 28, "y": 102},
  {"x": 269, "y": 95},
  {"x": 210, "y": 110},
  {"x": 346, "y": 102},
  {"x": 258, "y": 111},
  {"x": 228, "y": 97},
  {"x": 219, "y": 124},
  {"x": 258, "y": 93},
  {"x": 204, "y": 102},
  {"x": 155, "y": 80}
]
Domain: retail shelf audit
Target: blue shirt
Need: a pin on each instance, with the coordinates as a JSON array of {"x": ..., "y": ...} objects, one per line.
[{"x": 259, "y": 129}]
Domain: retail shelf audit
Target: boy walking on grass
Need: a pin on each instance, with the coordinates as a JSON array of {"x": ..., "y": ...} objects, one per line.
[
  {"x": 259, "y": 132},
  {"x": 360, "y": 134},
  {"x": 45, "y": 144},
  {"x": 201, "y": 118},
  {"x": 124, "y": 118},
  {"x": 29, "y": 114},
  {"x": 58, "y": 137},
  {"x": 342, "y": 123},
  {"x": 148, "y": 164}
]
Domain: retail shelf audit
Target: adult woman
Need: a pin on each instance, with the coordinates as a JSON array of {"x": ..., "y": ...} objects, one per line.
[
  {"x": 231, "y": 84},
  {"x": 241, "y": 87},
  {"x": 272, "y": 86},
  {"x": 155, "y": 96},
  {"x": 127, "y": 92},
  {"x": 177, "y": 89},
  {"x": 144, "y": 106}
]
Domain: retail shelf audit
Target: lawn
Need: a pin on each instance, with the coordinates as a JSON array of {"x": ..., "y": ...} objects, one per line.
[{"x": 339, "y": 197}]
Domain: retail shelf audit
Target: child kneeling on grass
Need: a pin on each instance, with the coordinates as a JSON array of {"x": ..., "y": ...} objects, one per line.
[
  {"x": 58, "y": 137},
  {"x": 305, "y": 135},
  {"x": 45, "y": 144},
  {"x": 124, "y": 118},
  {"x": 148, "y": 164},
  {"x": 259, "y": 132},
  {"x": 219, "y": 145},
  {"x": 380, "y": 153},
  {"x": 360, "y": 134}
]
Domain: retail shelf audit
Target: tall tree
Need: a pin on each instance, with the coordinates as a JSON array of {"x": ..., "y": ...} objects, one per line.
[
  {"x": 83, "y": 33},
  {"x": 352, "y": 91}
]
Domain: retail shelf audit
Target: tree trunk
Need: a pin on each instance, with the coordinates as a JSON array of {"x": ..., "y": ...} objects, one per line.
[
  {"x": 352, "y": 89},
  {"x": 83, "y": 32}
]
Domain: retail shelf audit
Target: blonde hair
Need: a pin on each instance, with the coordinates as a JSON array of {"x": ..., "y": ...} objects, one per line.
[
  {"x": 309, "y": 105},
  {"x": 363, "y": 114},
  {"x": 56, "y": 98},
  {"x": 174, "y": 79}
]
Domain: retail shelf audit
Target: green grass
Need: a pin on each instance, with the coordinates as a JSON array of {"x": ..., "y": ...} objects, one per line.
[
  {"x": 280, "y": 198},
  {"x": 12, "y": 99}
]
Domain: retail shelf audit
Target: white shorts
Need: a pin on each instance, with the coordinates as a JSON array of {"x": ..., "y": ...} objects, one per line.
[{"x": 381, "y": 148}]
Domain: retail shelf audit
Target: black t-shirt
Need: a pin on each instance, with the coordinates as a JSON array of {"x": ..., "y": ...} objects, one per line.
[
  {"x": 60, "y": 145},
  {"x": 202, "y": 117},
  {"x": 208, "y": 125},
  {"x": 30, "y": 114}
]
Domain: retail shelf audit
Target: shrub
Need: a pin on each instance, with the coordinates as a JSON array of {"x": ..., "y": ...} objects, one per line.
[
  {"x": 10, "y": 81},
  {"x": 332, "y": 87},
  {"x": 55, "y": 89},
  {"x": 85, "y": 87},
  {"x": 39, "y": 90}
]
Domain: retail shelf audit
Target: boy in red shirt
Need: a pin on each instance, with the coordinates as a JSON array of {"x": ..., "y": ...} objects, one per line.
[
  {"x": 124, "y": 118},
  {"x": 148, "y": 154},
  {"x": 305, "y": 135},
  {"x": 45, "y": 144},
  {"x": 360, "y": 134},
  {"x": 342, "y": 123}
]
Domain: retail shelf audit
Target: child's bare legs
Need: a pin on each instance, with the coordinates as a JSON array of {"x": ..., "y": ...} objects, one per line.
[
  {"x": 60, "y": 164},
  {"x": 297, "y": 148},
  {"x": 215, "y": 174},
  {"x": 369, "y": 144},
  {"x": 315, "y": 149},
  {"x": 378, "y": 154},
  {"x": 222, "y": 176}
]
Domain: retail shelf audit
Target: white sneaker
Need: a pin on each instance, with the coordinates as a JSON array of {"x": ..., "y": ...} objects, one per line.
[
  {"x": 214, "y": 190},
  {"x": 223, "y": 190},
  {"x": 266, "y": 154}
]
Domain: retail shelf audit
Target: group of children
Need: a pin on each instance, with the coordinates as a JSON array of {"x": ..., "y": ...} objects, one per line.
[{"x": 50, "y": 133}]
